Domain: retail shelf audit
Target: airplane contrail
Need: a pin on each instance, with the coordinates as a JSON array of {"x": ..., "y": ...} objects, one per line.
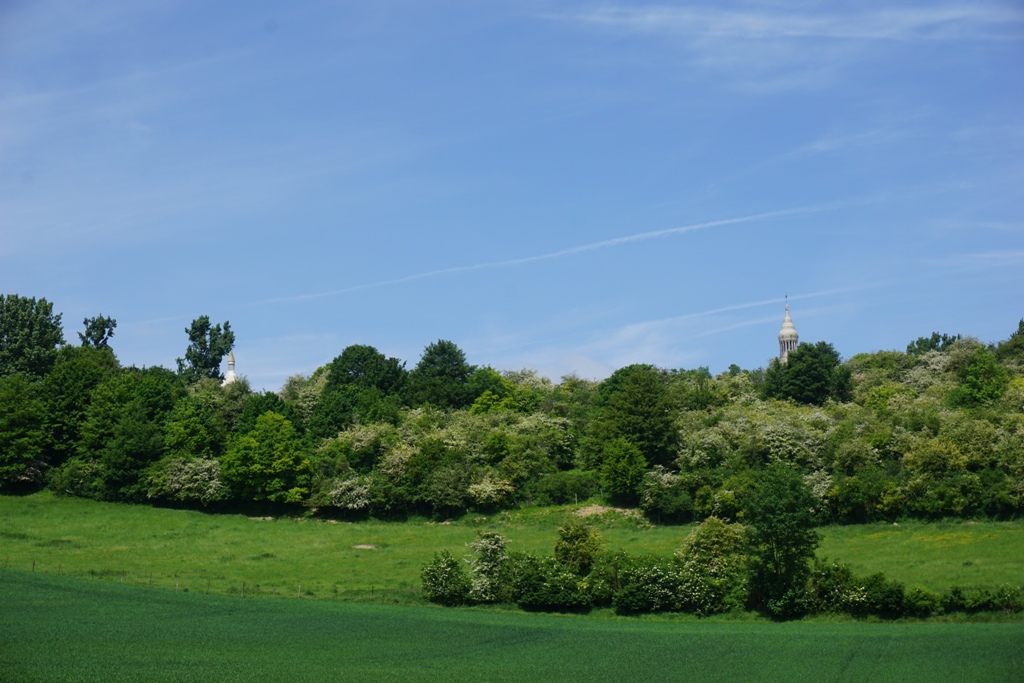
[{"x": 593, "y": 246}]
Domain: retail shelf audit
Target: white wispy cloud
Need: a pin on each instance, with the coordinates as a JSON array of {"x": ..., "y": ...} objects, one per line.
[
  {"x": 771, "y": 48},
  {"x": 962, "y": 21},
  {"x": 571, "y": 251},
  {"x": 985, "y": 259}
]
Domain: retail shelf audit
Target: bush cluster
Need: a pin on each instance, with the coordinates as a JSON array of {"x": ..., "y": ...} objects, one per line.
[{"x": 711, "y": 573}]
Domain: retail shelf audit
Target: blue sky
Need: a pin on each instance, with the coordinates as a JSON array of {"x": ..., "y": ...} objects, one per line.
[{"x": 562, "y": 186}]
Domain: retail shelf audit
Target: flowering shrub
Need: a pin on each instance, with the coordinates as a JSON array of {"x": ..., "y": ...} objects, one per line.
[
  {"x": 445, "y": 580},
  {"x": 486, "y": 566}
]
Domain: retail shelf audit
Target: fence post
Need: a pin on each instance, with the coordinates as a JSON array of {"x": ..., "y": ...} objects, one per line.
[{"x": 300, "y": 592}]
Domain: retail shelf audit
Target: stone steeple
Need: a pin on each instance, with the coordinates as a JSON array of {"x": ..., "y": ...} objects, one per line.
[
  {"x": 788, "y": 337},
  {"x": 230, "y": 376}
]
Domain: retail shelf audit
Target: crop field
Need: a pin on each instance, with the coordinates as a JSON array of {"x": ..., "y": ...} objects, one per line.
[
  {"x": 380, "y": 561},
  {"x": 58, "y": 629}
]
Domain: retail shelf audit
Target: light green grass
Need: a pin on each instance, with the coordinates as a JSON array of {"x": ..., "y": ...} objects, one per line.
[
  {"x": 60, "y": 629},
  {"x": 935, "y": 555},
  {"x": 199, "y": 552},
  {"x": 218, "y": 553}
]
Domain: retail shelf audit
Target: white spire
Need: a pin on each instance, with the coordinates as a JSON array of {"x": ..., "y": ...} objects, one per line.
[
  {"x": 788, "y": 337},
  {"x": 230, "y": 376}
]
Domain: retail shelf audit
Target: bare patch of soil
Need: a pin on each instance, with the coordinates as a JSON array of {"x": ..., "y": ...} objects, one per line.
[{"x": 364, "y": 546}]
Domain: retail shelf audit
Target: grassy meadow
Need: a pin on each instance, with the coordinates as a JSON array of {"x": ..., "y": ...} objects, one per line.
[
  {"x": 57, "y": 629},
  {"x": 380, "y": 561}
]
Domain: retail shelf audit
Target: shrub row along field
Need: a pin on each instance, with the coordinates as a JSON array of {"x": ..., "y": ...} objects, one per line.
[
  {"x": 64, "y": 629},
  {"x": 199, "y": 552}
]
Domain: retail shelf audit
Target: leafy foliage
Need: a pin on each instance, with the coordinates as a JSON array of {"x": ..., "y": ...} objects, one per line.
[
  {"x": 783, "y": 539},
  {"x": 441, "y": 377},
  {"x": 29, "y": 335},
  {"x": 445, "y": 580},
  {"x": 267, "y": 463},
  {"x": 22, "y": 437},
  {"x": 208, "y": 344},
  {"x": 578, "y": 546},
  {"x": 98, "y": 331}
]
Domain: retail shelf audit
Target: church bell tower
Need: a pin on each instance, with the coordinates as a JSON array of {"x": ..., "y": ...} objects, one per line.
[{"x": 788, "y": 337}]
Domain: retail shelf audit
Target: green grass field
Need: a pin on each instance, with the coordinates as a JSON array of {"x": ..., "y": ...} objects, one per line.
[
  {"x": 57, "y": 629},
  {"x": 199, "y": 552}
]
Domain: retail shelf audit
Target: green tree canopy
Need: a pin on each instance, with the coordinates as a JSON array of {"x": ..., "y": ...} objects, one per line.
[
  {"x": 780, "y": 515},
  {"x": 208, "y": 344},
  {"x": 268, "y": 463},
  {"x": 635, "y": 404},
  {"x": 366, "y": 367},
  {"x": 441, "y": 377},
  {"x": 98, "y": 332},
  {"x": 936, "y": 342},
  {"x": 982, "y": 380},
  {"x": 1012, "y": 349},
  {"x": 29, "y": 335},
  {"x": 67, "y": 391},
  {"x": 622, "y": 469},
  {"x": 123, "y": 430},
  {"x": 22, "y": 436},
  {"x": 812, "y": 374}
]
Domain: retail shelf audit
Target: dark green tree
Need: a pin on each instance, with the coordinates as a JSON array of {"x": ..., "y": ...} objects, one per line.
[
  {"x": 67, "y": 391},
  {"x": 781, "y": 523},
  {"x": 258, "y": 404},
  {"x": 936, "y": 342},
  {"x": 29, "y": 335},
  {"x": 208, "y": 344},
  {"x": 366, "y": 367},
  {"x": 1012, "y": 349},
  {"x": 123, "y": 431},
  {"x": 22, "y": 435},
  {"x": 622, "y": 469},
  {"x": 362, "y": 386},
  {"x": 812, "y": 374},
  {"x": 441, "y": 377},
  {"x": 635, "y": 405},
  {"x": 98, "y": 332},
  {"x": 268, "y": 463},
  {"x": 193, "y": 430}
]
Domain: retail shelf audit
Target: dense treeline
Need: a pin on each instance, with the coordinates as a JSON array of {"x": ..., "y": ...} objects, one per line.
[{"x": 935, "y": 431}]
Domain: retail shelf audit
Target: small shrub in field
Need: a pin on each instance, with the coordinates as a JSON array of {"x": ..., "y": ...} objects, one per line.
[
  {"x": 919, "y": 602},
  {"x": 445, "y": 580},
  {"x": 1008, "y": 599},
  {"x": 608, "y": 575},
  {"x": 833, "y": 588},
  {"x": 486, "y": 566},
  {"x": 1003, "y": 599},
  {"x": 714, "y": 568},
  {"x": 577, "y": 546},
  {"x": 544, "y": 584},
  {"x": 792, "y": 604},
  {"x": 652, "y": 587},
  {"x": 883, "y": 597}
]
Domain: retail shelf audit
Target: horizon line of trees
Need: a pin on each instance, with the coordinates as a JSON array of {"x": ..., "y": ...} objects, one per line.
[{"x": 935, "y": 431}]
